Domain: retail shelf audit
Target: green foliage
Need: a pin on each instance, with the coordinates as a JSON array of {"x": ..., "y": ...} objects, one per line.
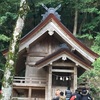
[
  {"x": 90, "y": 25},
  {"x": 8, "y": 15},
  {"x": 89, "y": 15},
  {"x": 8, "y": 9},
  {"x": 92, "y": 78},
  {"x": 88, "y": 36},
  {"x": 97, "y": 65},
  {"x": 66, "y": 11},
  {"x": 4, "y": 38},
  {"x": 2, "y": 19},
  {"x": 96, "y": 46},
  {"x": 2, "y": 61}
]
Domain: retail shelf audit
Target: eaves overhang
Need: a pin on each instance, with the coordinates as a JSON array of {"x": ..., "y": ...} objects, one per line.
[{"x": 63, "y": 52}]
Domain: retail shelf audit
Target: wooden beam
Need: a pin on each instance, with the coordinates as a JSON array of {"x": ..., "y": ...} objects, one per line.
[
  {"x": 35, "y": 54},
  {"x": 27, "y": 87},
  {"x": 22, "y": 87},
  {"x": 65, "y": 64},
  {"x": 62, "y": 70}
]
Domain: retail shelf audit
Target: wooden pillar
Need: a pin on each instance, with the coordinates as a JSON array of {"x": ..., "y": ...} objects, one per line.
[
  {"x": 50, "y": 83},
  {"x": 27, "y": 70},
  {"x": 46, "y": 92},
  {"x": 30, "y": 93},
  {"x": 75, "y": 78},
  {"x": 46, "y": 88}
]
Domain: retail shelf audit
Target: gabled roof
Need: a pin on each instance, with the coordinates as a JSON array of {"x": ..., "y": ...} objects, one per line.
[
  {"x": 63, "y": 52},
  {"x": 52, "y": 23}
]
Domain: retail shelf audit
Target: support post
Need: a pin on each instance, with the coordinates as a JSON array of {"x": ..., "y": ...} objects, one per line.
[
  {"x": 50, "y": 83},
  {"x": 46, "y": 92},
  {"x": 75, "y": 78},
  {"x": 29, "y": 93},
  {"x": 27, "y": 71}
]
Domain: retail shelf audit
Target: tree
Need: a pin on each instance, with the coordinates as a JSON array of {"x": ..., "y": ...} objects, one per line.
[
  {"x": 13, "y": 51},
  {"x": 8, "y": 17},
  {"x": 75, "y": 20},
  {"x": 89, "y": 15}
]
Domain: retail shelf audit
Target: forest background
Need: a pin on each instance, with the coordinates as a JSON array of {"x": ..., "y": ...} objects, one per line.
[{"x": 81, "y": 17}]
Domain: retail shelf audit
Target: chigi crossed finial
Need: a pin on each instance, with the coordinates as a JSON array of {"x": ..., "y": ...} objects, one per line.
[{"x": 51, "y": 10}]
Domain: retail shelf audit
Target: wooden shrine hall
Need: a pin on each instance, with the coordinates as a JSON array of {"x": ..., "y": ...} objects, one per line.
[{"x": 50, "y": 58}]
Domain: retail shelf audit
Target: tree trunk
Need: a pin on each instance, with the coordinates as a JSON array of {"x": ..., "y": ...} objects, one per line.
[
  {"x": 12, "y": 54},
  {"x": 81, "y": 25},
  {"x": 75, "y": 22}
]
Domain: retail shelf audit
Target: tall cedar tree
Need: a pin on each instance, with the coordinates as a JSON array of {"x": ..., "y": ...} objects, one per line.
[{"x": 13, "y": 51}]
